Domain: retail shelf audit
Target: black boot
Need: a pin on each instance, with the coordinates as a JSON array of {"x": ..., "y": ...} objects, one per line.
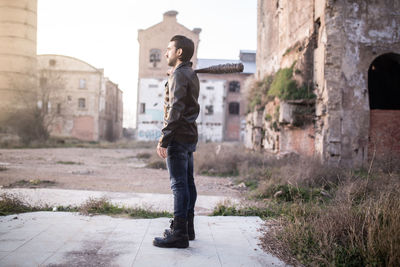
[
  {"x": 168, "y": 231},
  {"x": 191, "y": 233},
  {"x": 190, "y": 226},
  {"x": 178, "y": 237}
]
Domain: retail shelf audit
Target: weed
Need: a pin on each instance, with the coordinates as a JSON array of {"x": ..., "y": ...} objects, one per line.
[
  {"x": 11, "y": 204},
  {"x": 157, "y": 164},
  {"x": 34, "y": 183},
  {"x": 69, "y": 163},
  {"x": 232, "y": 210},
  {"x": 285, "y": 87},
  {"x": 143, "y": 155},
  {"x": 104, "y": 206}
]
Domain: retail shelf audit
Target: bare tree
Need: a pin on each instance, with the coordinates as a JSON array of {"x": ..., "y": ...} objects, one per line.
[{"x": 31, "y": 113}]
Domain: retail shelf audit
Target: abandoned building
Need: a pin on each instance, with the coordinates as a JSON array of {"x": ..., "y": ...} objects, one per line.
[
  {"x": 222, "y": 101},
  {"x": 327, "y": 80},
  {"x": 80, "y": 101}
]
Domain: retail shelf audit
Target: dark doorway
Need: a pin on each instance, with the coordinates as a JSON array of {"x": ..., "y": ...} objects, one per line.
[
  {"x": 384, "y": 82},
  {"x": 384, "y": 102}
]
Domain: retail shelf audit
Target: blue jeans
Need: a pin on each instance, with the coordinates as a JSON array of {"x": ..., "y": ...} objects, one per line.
[{"x": 180, "y": 168}]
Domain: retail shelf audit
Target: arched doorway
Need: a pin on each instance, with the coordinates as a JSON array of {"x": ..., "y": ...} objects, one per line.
[{"x": 384, "y": 102}]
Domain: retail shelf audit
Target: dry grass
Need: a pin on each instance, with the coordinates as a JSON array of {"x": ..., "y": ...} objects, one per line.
[
  {"x": 357, "y": 227},
  {"x": 104, "y": 206},
  {"x": 322, "y": 215}
]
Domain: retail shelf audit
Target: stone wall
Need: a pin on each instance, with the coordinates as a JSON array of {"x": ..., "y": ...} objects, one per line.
[
  {"x": 333, "y": 44},
  {"x": 356, "y": 33}
]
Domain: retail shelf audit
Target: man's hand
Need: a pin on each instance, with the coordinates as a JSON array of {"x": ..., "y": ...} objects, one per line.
[{"x": 161, "y": 151}]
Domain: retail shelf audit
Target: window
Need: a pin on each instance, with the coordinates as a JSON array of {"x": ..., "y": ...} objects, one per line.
[
  {"x": 234, "y": 108},
  {"x": 209, "y": 110},
  {"x": 69, "y": 98},
  {"x": 58, "y": 108},
  {"x": 52, "y": 62},
  {"x": 142, "y": 108},
  {"x": 82, "y": 83},
  {"x": 155, "y": 56},
  {"x": 81, "y": 103},
  {"x": 234, "y": 87},
  {"x": 210, "y": 87}
]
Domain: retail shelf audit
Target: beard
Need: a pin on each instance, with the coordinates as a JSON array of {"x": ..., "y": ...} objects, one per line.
[{"x": 171, "y": 62}]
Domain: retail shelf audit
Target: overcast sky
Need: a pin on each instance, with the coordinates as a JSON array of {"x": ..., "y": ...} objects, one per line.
[{"x": 104, "y": 33}]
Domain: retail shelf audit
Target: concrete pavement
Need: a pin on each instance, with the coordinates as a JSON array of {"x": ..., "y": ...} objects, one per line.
[{"x": 70, "y": 239}]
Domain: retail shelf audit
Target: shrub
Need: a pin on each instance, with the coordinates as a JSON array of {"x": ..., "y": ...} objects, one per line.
[
  {"x": 157, "y": 164},
  {"x": 143, "y": 155},
  {"x": 258, "y": 94},
  {"x": 285, "y": 87},
  {"x": 11, "y": 204},
  {"x": 218, "y": 160},
  {"x": 357, "y": 227},
  {"x": 29, "y": 125}
]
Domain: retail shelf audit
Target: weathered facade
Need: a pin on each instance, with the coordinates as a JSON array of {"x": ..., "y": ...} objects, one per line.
[
  {"x": 347, "y": 52},
  {"x": 18, "y": 70},
  {"x": 153, "y": 72},
  {"x": 80, "y": 102},
  {"x": 111, "y": 117},
  {"x": 222, "y": 104},
  {"x": 231, "y": 101}
]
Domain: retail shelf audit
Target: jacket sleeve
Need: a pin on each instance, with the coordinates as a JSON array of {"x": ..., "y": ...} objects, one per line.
[{"x": 177, "y": 94}]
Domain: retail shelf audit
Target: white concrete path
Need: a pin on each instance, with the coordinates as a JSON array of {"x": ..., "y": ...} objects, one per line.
[
  {"x": 69, "y": 239},
  {"x": 155, "y": 202}
]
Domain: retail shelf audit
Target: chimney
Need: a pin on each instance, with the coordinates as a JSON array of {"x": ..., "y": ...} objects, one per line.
[{"x": 170, "y": 15}]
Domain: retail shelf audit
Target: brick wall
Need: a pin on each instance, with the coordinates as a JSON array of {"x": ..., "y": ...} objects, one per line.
[{"x": 384, "y": 135}]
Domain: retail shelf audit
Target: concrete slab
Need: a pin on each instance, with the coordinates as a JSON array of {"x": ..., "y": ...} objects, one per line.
[
  {"x": 155, "y": 202},
  {"x": 69, "y": 239}
]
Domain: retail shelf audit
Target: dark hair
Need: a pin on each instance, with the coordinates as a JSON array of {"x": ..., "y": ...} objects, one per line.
[{"x": 186, "y": 45}]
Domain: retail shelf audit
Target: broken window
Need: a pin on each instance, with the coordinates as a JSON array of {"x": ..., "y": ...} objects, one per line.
[
  {"x": 142, "y": 109},
  {"x": 384, "y": 82},
  {"x": 234, "y": 108},
  {"x": 234, "y": 87},
  {"x": 209, "y": 110},
  {"x": 81, "y": 103},
  {"x": 155, "y": 56}
]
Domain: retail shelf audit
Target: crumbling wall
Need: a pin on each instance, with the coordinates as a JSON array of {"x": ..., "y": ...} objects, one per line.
[
  {"x": 355, "y": 32},
  {"x": 286, "y": 41},
  {"x": 332, "y": 45}
]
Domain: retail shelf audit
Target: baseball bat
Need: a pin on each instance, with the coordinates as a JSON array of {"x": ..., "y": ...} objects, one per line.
[{"x": 222, "y": 68}]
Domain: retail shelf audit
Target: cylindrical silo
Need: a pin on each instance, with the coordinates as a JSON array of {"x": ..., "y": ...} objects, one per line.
[{"x": 18, "y": 71}]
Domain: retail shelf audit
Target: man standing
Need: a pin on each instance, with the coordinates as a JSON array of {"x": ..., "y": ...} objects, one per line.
[{"x": 178, "y": 140}]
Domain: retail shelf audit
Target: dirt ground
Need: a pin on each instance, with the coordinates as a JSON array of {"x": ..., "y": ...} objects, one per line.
[{"x": 116, "y": 170}]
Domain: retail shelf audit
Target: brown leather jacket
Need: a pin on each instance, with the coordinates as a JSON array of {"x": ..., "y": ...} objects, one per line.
[{"x": 181, "y": 107}]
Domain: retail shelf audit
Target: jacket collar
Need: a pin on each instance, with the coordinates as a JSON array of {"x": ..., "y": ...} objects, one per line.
[{"x": 187, "y": 63}]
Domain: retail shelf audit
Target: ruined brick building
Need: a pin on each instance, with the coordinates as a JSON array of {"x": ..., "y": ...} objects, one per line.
[
  {"x": 81, "y": 101},
  {"x": 221, "y": 99},
  {"x": 329, "y": 73}
]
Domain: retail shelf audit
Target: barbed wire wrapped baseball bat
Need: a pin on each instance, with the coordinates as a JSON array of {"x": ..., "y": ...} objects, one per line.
[{"x": 222, "y": 68}]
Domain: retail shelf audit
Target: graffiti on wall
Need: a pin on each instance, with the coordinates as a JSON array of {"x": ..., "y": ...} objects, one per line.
[{"x": 149, "y": 135}]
